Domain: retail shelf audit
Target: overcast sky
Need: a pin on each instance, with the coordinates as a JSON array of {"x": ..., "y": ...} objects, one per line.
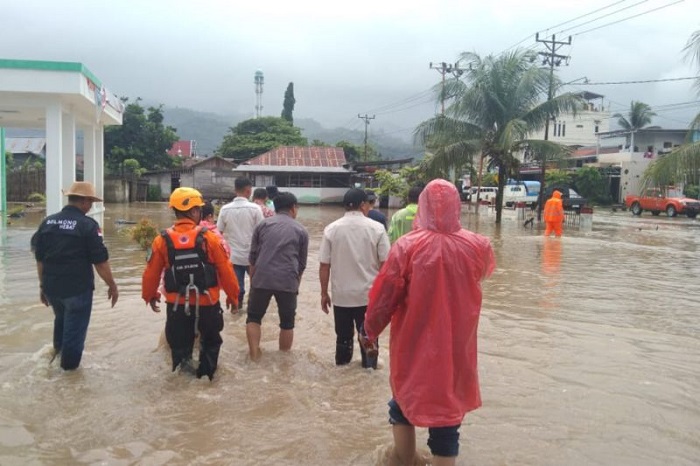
[{"x": 346, "y": 58}]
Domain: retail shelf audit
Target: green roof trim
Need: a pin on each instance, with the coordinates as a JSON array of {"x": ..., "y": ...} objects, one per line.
[{"x": 49, "y": 66}]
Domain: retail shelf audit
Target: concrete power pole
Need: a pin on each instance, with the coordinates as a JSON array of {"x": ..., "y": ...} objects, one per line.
[
  {"x": 551, "y": 58},
  {"x": 366, "y": 118},
  {"x": 444, "y": 68}
]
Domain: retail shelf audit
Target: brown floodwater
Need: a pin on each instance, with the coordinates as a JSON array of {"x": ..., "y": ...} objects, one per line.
[{"x": 589, "y": 354}]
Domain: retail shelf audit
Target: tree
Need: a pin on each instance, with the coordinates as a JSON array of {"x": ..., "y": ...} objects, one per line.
[
  {"x": 9, "y": 160},
  {"x": 355, "y": 153},
  {"x": 682, "y": 165},
  {"x": 288, "y": 105},
  {"x": 142, "y": 137},
  {"x": 496, "y": 105},
  {"x": 638, "y": 117},
  {"x": 589, "y": 183},
  {"x": 257, "y": 136}
]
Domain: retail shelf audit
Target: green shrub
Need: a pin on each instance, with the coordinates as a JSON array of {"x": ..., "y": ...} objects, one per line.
[
  {"x": 154, "y": 193},
  {"x": 692, "y": 191},
  {"x": 36, "y": 197},
  {"x": 144, "y": 233}
]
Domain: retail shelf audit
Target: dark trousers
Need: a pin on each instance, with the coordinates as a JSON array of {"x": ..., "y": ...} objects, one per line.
[
  {"x": 180, "y": 333},
  {"x": 347, "y": 320},
  {"x": 71, "y": 319},
  {"x": 240, "y": 271}
]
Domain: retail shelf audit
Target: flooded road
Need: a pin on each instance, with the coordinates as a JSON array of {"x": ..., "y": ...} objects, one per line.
[{"x": 589, "y": 354}]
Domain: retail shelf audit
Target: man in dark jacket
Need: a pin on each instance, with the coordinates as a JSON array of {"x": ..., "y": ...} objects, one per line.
[{"x": 66, "y": 246}]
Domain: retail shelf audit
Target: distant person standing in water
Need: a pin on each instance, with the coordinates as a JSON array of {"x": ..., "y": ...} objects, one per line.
[
  {"x": 260, "y": 198},
  {"x": 430, "y": 291},
  {"x": 210, "y": 224},
  {"x": 402, "y": 220},
  {"x": 272, "y": 193},
  {"x": 554, "y": 215},
  {"x": 236, "y": 221},
  {"x": 373, "y": 213},
  {"x": 278, "y": 255},
  {"x": 67, "y": 246}
]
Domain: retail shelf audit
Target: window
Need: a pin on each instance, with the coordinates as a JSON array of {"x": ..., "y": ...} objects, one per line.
[
  {"x": 668, "y": 145},
  {"x": 596, "y": 129},
  {"x": 579, "y": 126},
  {"x": 563, "y": 130}
]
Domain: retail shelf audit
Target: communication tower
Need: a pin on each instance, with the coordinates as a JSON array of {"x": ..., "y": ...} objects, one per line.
[{"x": 259, "y": 81}]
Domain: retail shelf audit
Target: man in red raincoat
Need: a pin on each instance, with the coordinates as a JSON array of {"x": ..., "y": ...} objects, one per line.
[
  {"x": 554, "y": 215},
  {"x": 430, "y": 291}
]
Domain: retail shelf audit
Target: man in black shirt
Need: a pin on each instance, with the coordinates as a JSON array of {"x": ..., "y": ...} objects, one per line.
[
  {"x": 373, "y": 213},
  {"x": 66, "y": 247}
]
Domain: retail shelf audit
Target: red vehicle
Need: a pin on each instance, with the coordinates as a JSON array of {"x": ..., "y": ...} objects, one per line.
[{"x": 669, "y": 200}]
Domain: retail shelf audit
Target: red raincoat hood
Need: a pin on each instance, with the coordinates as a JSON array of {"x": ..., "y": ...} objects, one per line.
[{"x": 439, "y": 208}]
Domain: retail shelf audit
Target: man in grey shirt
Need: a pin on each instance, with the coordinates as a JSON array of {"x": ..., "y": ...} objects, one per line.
[{"x": 278, "y": 253}]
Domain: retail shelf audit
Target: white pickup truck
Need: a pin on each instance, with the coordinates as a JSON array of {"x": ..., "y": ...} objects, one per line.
[{"x": 525, "y": 192}]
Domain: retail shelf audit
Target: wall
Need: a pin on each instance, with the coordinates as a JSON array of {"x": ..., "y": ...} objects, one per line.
[
  {"x": 315, "y": 195},
  {"x": 215, "y": 183},
  {"x": 116, "y": 191}
]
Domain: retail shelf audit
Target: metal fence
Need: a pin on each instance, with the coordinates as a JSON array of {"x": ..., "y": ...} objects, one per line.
[{"x": 22, "y": 183}]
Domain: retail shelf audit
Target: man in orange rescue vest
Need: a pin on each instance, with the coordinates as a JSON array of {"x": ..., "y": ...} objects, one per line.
[
  {"x": 554, "y": 215},
  {"x": 194, "y": 265}
]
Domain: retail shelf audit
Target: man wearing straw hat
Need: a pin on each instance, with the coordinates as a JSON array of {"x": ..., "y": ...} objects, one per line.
[{"x": 66, "y": 246}]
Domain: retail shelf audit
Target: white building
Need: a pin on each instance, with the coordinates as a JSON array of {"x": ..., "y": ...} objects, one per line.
[
  {"x": 580, "y": 129},
  {"x": 61, "y": 98},
  {"x": 649, "y": 144}
]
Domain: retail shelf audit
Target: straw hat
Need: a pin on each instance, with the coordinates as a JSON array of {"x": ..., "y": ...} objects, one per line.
[{"x": 83, "y": 189}]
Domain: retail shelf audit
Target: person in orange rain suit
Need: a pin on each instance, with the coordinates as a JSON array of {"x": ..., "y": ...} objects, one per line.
[
  {"x": 196, "y": 266},
  {"x": 430, "y": 290},
  {"x": 554, "y": 215}
]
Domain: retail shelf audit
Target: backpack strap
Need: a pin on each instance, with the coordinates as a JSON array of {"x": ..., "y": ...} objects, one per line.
[
  {"x": 169, "y": 243},
  {"x": 200, "y": 243}
]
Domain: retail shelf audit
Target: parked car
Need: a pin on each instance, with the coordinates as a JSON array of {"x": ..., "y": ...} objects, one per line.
[
  {"x": 570, "y": 198},
  {"x": 668, "y": 199}
]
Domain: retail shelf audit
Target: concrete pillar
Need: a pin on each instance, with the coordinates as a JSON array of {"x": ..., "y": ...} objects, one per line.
[
  {"x": 68, "y": 149},
  {"x": 54, "y": 165},
  {"x": 89, "y": 154},
  {"x": 98, "y": 208}
]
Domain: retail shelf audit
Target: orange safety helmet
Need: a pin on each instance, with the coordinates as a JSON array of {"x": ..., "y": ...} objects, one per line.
[{"x": 184, "y": 199}]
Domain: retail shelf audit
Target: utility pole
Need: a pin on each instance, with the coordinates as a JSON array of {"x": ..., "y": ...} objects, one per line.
[
  {"x": 551, "y": 58},
  {"x": 444, "y": 68},
  {"x": 366, "y": 118}
]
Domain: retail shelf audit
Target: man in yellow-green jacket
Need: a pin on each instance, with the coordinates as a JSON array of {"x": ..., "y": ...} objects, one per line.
[{"x": 402, "y": 220}]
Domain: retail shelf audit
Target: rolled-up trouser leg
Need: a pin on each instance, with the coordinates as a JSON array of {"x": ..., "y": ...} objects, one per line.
[
  {"x": 211, "y": 323},
  {"x": 179, "y": 331}
]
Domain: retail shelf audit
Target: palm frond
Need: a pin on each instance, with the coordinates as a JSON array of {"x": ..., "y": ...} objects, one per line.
[{"x": 682, "y": 165}]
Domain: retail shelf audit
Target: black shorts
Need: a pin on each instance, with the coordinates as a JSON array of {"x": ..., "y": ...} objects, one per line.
[{"x": 259, "y": 300}]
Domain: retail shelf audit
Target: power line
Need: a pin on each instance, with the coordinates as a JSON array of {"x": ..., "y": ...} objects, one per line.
[
  {"x": 602, "y": 17},
  {"x": 583, "y": 16},
  {"x": 629, "y": 17},
  {"x": 642, "y": 81}
]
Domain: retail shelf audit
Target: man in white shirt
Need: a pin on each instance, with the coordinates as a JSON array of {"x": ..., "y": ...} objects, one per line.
[
  {"x": 237, "y": 221},
  {"x": 355, "y": 247}
]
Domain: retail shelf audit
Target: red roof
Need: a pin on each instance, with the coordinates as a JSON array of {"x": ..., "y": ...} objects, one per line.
[
  {"x": 295, "y": 156},
  {"x": 182, "y": 148}
]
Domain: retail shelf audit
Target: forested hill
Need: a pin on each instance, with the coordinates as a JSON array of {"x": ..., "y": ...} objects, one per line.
[{"x": 208, "y": 129}]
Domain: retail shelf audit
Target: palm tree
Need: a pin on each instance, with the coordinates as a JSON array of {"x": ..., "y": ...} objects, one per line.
[
  {"x": 496, "y": 105},
  {"x": 683, "y": 164},
  {"x": 639, "y": 116}
]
